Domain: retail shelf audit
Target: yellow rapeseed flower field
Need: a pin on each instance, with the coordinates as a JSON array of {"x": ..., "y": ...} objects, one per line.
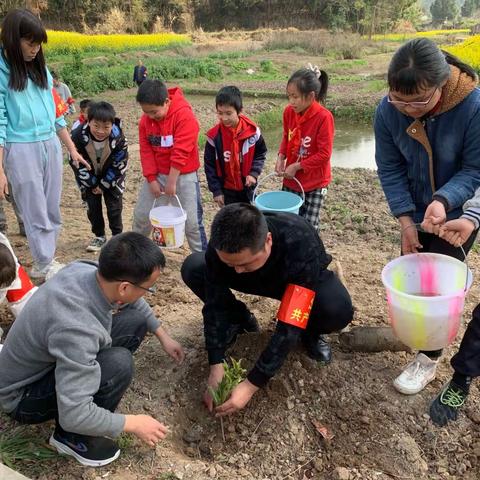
[
  {"x": 58, "y": 41},
  {"x": 468, "y": 51},
  {"x": 400, "y": 37}
]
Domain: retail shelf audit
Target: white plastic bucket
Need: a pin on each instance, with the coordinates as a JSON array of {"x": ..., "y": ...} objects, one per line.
[
  {"x": 426, "y": 295},
  {"x": 168, "y": 224}
]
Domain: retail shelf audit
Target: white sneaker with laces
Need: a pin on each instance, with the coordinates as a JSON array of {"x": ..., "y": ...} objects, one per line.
[
  {"x": 96, "y": 244},
  {"x": 45, "y": 271},
  {"x": 416, "y": 375}
]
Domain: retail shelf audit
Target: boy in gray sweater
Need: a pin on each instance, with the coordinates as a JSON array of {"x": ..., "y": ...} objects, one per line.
[
  {"x": 68, "y": 355},
  {"x": 466, "y": 362}
]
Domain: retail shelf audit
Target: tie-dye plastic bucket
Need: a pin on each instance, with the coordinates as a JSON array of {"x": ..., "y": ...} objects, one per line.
[{"x": 425, "y": 295}]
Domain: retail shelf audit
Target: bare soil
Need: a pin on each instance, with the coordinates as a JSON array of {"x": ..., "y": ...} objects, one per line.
[{"x": 377, "y": 433}]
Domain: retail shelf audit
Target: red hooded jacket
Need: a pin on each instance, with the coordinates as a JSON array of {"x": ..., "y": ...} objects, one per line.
[
  {"x": 170, "y": 142},
  {"x": 314, "y": 149}
]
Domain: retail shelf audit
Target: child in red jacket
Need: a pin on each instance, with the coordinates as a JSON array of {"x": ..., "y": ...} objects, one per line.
[
  {"x": 306, "y": 148},
  {"x": 168, "y": 134},
  {"x": 235, "y": 151}
]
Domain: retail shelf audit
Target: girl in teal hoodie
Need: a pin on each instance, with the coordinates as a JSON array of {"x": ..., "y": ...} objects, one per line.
[{"x": 30, "y": 152}]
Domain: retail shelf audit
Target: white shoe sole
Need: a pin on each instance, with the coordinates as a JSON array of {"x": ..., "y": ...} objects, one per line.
[
  {"x": 65, "y": 449},
  {"x": 93, "y": 249},
  {"x": 408, "y": 391}
]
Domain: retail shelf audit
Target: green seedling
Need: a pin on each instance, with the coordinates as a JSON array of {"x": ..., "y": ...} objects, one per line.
[{"x": 234, "y": 375}]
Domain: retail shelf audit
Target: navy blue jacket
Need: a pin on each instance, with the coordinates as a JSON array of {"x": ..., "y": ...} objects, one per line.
[{"x": 409, "y": 175}]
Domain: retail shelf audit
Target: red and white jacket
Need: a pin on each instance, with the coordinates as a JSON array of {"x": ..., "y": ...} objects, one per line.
[
  {"x": 170, "y": 142},
  {"x": 21, "y": 289},
  {"x": 313, "y": 148}
]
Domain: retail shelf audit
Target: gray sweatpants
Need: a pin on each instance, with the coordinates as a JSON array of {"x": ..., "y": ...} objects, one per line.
[
  {"x": 188, "y": 191},
  {"x": 34, "y": 170}
]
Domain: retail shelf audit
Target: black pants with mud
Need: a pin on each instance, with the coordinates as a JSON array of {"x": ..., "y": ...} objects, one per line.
[
  {"x": 467, "y": 360},
  {"x": 95, "y": 214},
  {"x": 434, "y": 244},
  {"x": 39, "y": 401}
]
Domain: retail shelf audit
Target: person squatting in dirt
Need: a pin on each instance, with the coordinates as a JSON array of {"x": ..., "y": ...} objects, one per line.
[
  {"x": 68, "y": 356},
  {"x": 275, "y": 255}
]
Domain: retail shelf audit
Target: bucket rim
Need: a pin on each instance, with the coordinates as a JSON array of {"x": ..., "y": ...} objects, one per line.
[
  {"x": 463, "y": 291},
  {"x": 263, "y": 207}
]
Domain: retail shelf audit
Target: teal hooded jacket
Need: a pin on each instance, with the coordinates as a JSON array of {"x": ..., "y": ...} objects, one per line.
[{"x": 29, "y": 115}]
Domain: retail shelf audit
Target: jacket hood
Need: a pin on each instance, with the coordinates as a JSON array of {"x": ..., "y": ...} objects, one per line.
[
  {"x": 459, "y": 85},
  {"x": 177, "y": 100}
]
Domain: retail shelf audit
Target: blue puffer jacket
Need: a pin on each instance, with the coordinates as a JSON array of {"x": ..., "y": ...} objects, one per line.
[{"x": 439, "y": 156}]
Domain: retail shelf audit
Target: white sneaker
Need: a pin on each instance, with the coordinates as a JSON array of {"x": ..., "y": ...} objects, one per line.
[
  {"x": 96, "y": 244},
  {"x": 1, "y": 346},
  {"x": 45, "y": 271},
  {"x": 416, "y": 375}
]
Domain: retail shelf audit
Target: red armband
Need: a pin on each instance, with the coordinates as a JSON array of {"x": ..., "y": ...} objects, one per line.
[
  {"x": 70, "y": 100},
  {"x": 296, "y": 306},
  {"x": 26, "y": 285},
  {"x": 60, "y": 106}
]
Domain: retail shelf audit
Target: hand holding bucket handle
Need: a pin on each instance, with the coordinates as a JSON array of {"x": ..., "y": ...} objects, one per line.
[
  {"x": 416, "y": 225},
  {"x": 259, "y": 182},
  {"x": 169, "y": 202}
]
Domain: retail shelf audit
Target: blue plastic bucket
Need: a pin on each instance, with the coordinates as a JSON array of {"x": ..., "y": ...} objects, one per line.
[{"x": 278, "y": 201}]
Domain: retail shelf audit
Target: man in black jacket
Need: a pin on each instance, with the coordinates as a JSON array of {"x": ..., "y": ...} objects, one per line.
[{"x": 275, "y": 255}]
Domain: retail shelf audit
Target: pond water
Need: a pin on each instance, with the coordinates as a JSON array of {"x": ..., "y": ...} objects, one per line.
[{"x": 354, "y": 145}]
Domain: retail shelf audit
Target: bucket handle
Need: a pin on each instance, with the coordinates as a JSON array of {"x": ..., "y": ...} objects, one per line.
[
  {"x": 460, "y": 247},
  {"x": 271, "y": 175},
  {"x": 169, "y": 202}
]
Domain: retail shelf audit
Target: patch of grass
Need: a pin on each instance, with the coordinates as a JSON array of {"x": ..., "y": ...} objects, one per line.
[
  {"x": 228, "y": 55},
  {"x": 272, "y": 118},
  {"x": 125, "y": 441},
  {"x": 375, "y": 86},
  {"x": 17, "y": 446},
  {"x": 348, "y": 64},
  {"x": 360, "y": 113}
]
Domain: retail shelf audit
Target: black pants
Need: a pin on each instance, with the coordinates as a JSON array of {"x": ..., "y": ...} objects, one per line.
[
  {"x": 332, "y": 308},
  {"x": 39, "y": 401},
  {"x": 434, "y": 244},
  {"x": 237, "y": 196},
  {"x": 95, "y": 215},
  {"x": 467, "y": 360}
]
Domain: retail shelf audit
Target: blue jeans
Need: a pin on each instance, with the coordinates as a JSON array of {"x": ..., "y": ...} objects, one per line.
[{"x": 39, "y": 401}]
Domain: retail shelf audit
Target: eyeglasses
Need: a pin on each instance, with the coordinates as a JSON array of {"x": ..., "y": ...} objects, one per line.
[
  {"x": 399, "y": 103},
  {"x": 152, "y": 289}
]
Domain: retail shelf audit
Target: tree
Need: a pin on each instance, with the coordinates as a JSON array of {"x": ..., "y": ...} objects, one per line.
[
  {"x": 469, "y": 7},
  {"x": 442, "y": 10}
]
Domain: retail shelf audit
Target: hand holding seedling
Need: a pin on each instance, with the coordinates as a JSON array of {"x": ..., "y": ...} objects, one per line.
[
  {"x": 457, "y": 232},
  {"x": 435, "y": 216},
  {"x": 239, "y": 397},
  {"x": 216, "y": 375}
]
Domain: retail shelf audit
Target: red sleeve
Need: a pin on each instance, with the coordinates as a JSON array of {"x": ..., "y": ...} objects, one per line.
[
  {"x": 284, "y": 144},
  {"x": 324, "y": 138},
  {"x": 147, "y": 157},
  {"x": 186, "y": 138}
]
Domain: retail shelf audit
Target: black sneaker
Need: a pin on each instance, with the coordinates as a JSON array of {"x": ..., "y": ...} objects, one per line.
[
  {"x": 447, "y": 404},
  {"x": 318, "y": 349},
  {"x": 89, "y": 451}
]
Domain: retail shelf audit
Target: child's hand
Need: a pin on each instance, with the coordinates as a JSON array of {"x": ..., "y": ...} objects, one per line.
[
  {"x": 280, "y": 165},
  {"x": 155, "y": 188},
  {"x": 216, "y": 374},
  {"x": 240, "y": 396},
  {"x": 435, "y": 215},
  {"x": 219, "y": 200},
  {"x": 171, "y": 186},
  {"x": 457, "y": 232},
  {"x": 291, "y": 170},
  {"x": 250, "y": 181},
  {"x": 97, "y": 191}
]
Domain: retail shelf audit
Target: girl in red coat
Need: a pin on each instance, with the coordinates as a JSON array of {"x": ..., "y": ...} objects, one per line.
[{"x": 306, "y": 148}]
